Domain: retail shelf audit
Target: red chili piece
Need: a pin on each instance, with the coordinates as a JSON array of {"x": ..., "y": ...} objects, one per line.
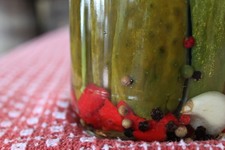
[
  {"x": 89, "y": 103},
  {"x": 185, "y": 119},
  {"x": 96, "y": 109}
]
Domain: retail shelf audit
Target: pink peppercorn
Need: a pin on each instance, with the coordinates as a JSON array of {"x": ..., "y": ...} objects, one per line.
[{"x": 189, "y": 42}]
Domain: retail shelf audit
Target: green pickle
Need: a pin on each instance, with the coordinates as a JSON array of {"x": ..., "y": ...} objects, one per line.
[
  {"x": 208, "y": 55},
  {"x": 143, "y": 41}
]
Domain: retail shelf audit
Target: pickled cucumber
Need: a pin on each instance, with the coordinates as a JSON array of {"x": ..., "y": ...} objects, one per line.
[
  {"x": 143, "y": 40},
  {"x": 208, "y": 55}
]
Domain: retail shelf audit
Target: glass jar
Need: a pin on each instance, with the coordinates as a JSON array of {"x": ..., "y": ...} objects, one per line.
[{"x": 136, "y": 61}]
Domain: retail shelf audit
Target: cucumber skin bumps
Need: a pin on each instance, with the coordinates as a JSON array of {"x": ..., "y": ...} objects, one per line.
[{"x": 143, "y": 41}]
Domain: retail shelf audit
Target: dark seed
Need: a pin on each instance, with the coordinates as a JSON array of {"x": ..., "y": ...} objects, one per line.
[
  {"x": 171, "y": 126},
  {"x": 157, "y": 114},
  {"x": 143, "y": 126},
  {"x": 128, "y": 132},
  {"x": 197, "y": 75},
  {"x": 126, "y": 81},
  {"x": 200, "y": 133},
  {"x": 171, "y": 136}
]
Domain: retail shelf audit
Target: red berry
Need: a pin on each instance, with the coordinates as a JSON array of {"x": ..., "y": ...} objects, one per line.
[{"x": 189, "y": 42}]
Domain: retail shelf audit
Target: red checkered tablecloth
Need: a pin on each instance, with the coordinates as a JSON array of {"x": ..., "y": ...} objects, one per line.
[{"x": 35, "y": 111}]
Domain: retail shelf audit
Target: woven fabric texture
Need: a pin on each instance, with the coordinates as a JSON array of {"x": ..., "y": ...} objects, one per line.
[{"x": 35, "y": 111}]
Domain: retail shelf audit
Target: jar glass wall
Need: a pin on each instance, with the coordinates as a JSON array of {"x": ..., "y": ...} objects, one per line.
[{"x": 130, "y": 63}]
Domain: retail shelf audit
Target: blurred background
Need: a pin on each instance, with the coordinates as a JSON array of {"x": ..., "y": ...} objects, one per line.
[{"x": 22, "y": 20}]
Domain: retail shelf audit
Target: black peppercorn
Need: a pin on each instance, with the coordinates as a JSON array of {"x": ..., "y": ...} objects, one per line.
[
  {"x": 171, "y": 136},
  {"x": 197, "y": 75},
  {"x": 171, "y": 126},
  {"x": 128, "y": 132},
  {"x": 157, "y": 114},
  {"x": 143, "y": 126},
  {"x": 208, "y": 137},
  {"x": 200, "y": 133}
]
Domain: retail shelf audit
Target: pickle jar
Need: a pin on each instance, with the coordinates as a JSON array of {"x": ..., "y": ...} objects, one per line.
[{"x": 135, "y": 62}]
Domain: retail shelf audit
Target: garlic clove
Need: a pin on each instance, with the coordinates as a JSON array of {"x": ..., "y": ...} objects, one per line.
[
  {"x": 208, "y": 110},
  {"x": 187, "y": 108}
]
